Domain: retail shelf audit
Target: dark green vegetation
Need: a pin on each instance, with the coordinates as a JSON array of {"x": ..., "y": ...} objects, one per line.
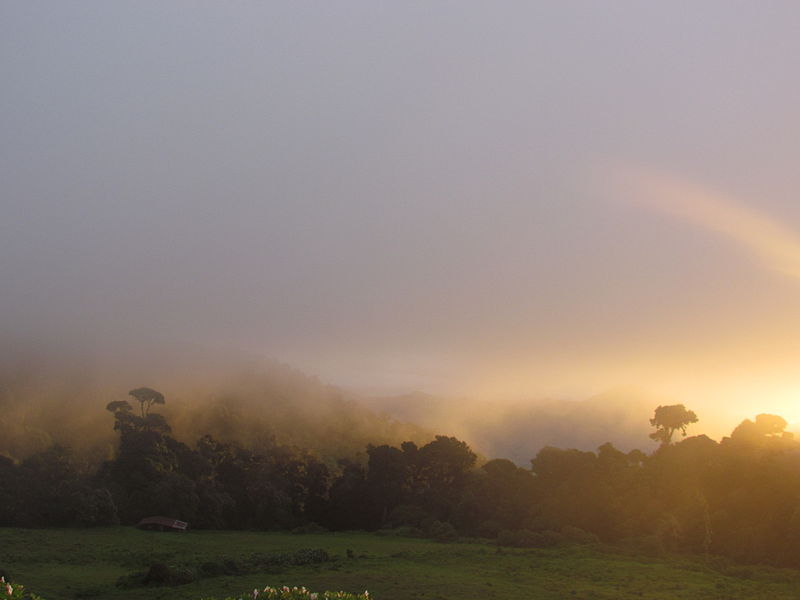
[
  {"x": 61, "y": 564},
  {"x": 739, "y": 498}
]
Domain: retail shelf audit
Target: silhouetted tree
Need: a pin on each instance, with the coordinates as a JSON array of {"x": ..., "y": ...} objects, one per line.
[
  {"x": 348, "y": 505},
  {"x": 146, "y": 397},
  {"x": 738, "y": 497},
  {"x": 156, "y": 422},
  {"x": 668, "y": 419},
  {"x": 442, "y": 468},
  {"x": 765, "y": 426},
  {"x": 48, "y": 483},
  {"x": 568, "y": 489},
  {"x": 500, "y": 496},
  {"x": 387, "y": 480},
  {"x": 444, "y": 461},
  {"x": 124, "y": 419}
]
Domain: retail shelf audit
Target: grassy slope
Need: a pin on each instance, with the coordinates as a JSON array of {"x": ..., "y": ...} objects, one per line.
[{"x": 62, "y": 564}]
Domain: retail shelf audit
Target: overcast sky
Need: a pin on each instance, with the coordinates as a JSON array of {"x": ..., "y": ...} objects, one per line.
[{"x": 463, "y": 197}]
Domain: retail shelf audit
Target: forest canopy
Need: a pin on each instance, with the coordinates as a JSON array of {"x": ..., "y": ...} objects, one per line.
[{"x": 736, "y": 497}]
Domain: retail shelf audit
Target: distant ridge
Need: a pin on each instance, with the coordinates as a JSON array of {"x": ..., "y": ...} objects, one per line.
[
  {"x": 518, "y": 430},
  {"x": 43, "y": 404}
]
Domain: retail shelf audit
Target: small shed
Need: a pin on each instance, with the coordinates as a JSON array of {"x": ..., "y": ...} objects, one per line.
[{"x": 162, "y": 524}]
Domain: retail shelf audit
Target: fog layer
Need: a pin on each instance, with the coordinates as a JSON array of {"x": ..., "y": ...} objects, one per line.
[{"x": 406, "y": 196}]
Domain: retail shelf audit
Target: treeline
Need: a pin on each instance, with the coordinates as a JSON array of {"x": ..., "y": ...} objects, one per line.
[{"x": 739, "y": 497}]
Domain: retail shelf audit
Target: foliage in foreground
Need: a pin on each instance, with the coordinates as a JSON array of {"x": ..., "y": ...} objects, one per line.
[
  {"x": 15, "y": 591},
  {"x": 297, "y": 593},
  {"x": 72, "y": 564}
]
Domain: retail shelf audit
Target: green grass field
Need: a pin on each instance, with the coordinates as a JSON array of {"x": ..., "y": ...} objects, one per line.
[{"x": 82, "y": 563}]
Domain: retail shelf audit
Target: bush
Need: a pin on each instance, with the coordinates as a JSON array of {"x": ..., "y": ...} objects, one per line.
[
  {"x": 295, "y": 593},
  {"x": 14, "y": 591},
  {"x": 646, "y": 545},
  {"x": 525, "y": 538},
  {"x": 310, "y": 527},
  {"x": 442, "y": 531},
  {"x": 507, "y": 538},
  {"x": 489, "y": 529},
  {"x": 158, "y": 574},
  {"x": 576, "y": 535},
  {"x": 407, "y": 531},
  {"x": 161, "y": 574},
  {"x": 95, "y": 507},
  {"x": 404, "y": 531},
  {"x": 309, "y": 556}
]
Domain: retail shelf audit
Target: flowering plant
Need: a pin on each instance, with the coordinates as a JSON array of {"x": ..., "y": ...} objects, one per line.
[
  {"x": 299, "y": 593},
  {"x": 15, "y": 592}
]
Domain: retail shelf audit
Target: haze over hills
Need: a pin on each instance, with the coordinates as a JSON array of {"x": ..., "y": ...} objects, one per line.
[
  {"x": 518, "y": 430},
  {"x": 44, "y": 403},
  {"x": 45, "y": 399},
  {"x": 404, "y": 196}
]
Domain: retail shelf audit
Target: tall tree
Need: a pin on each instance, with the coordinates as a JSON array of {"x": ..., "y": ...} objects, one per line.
[
  {"x": 146, "y": 397},
  {"x": 668, "y": 419},
  {"x": 124, "y": 419}
]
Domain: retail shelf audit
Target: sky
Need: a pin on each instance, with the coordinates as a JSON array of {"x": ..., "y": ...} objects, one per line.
[{"x": 496, "y": 200}]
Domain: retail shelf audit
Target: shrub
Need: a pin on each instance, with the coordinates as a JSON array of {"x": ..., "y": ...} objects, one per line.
[
  {"x": 309, "y": 556},
  {"x": 295, "y": 593},
  {"x": 14, "y": 591},
  {"x": 442, "y": 531},
  {"x": 525, "y": 538},
  {"x": 95, "y": 507},
  {"x": 407, "y": 531},
  {"x": 161, "y": 574},
  {"x": 310, "y": 527},
  {"x": 404, "y": 531},
  {"x": 647, "y": 545},
  {"x": 507, "y": 538},
  {"x": 576, "y": 535},
  {"x": 489, "y": 529}
]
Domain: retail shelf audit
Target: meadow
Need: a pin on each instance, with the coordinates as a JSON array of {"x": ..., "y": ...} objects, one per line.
[{"x": 62, "y": 564}]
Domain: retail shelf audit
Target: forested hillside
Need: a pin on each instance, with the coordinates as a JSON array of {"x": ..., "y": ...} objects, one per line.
[
  {"x": 45, "y": 403},
  {"x": 737, "y": 497}
]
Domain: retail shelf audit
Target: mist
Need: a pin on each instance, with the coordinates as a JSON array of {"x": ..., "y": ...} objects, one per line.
[{"x": 398, "y": 199}]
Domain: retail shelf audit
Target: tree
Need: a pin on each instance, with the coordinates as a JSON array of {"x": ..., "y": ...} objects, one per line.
[
  {"x": 146, "y": 397},
  {"x": 668, "y": 419},
  {"x": 445, "y": 462},
  {"x": 443, "y": 466},
  {"x": 124, "y": 419},
  {"x": 387, "y": 480},
  {"x": 571, "y": 490},
  {"x": 156, "y": 422},
  {"x": 765, "y": 428}
]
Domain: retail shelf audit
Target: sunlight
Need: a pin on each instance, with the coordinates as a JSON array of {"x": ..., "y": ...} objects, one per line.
[{"x": 777, "y": 246}]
